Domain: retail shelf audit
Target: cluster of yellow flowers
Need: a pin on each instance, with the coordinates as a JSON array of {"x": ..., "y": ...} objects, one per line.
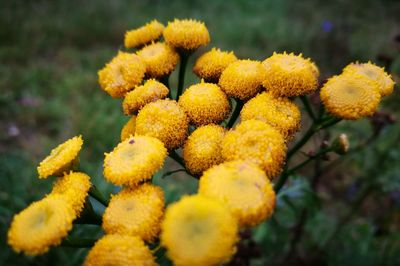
[{"x": 235, "y": 166}]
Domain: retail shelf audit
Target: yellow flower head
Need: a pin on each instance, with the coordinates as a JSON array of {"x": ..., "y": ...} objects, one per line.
[
  {"x": 376, "y": 74},
  {"x": 151, "y": 91},
  {"x": 199, "y": 231},
  {"x": 279, "y": 112},
  {"x": 160, "y": 58},
  {"x": 120, "y": 250},
  {"x": 129, "y": 128},
  {"x": 210, "y": 65},
  {"x": 350, "y": 97},
  {"x": 205, "y": 103},
  {"x": 122, "y": 74},
  {"x": 243, "y": 187},
  {"x": 61, "y": 159},
  {"x": 165, "y": 120},
  {"x": 134, "y": 160},
  {"x": 144, "y": 35},
  {"x": 290, "y": 75},
  {"x": 256, "y": 142},
  {"x": 42, "y": 224},
  {"x": 203, "y": 148},
  {"x": 242, "y": 79},
  {"x": 186, "y": 34},
  {"x": 75, "y": 188},
  {"x": 136, "y": 211}
]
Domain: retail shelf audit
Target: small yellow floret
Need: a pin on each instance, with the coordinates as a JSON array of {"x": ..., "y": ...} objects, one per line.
[
  {"x": 61, "y": 159},
  {"x": 143, "y": 35},
  {"x": 129, "y": 128},
  {"x": 199, "y": 231}
]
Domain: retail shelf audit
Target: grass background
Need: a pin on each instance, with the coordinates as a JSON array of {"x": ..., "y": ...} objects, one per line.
[{"x": 50, "y": 52}]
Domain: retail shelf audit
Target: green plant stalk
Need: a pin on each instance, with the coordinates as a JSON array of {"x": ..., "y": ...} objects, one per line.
[
  {"x": 76, "y": 242},
  {"x": 88, "y": 215},
  {"x": 182, "y": 70},
  {"x": 96, "y": 194},
  {"x": 175, "y": 156},
  {"x": 172, "y": 172},
  {"x": 236, "y": 112},
  {"x": 306, "y": 103}
]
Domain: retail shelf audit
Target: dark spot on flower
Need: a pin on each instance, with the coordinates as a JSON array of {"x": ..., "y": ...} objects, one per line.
[{"x": 132, "y": 141}]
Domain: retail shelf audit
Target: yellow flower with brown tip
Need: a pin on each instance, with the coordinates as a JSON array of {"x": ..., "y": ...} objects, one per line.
[
  {"x": 243, "y": 187},
  {"x": 199, "y": 231},
  {"x": 75, "y": 188},
  {"x": 151, "y": 91},
  {"x": 290, "y": 75},
  {"x": 165, "y": 120},
  {"x": 61, "y": 159},
  {"x": 203, "y": 148},
  {"x": 242, "y": 79},
  {"x": 350, "y": 97},
  {"x": 122, "y": 74},
  {"x": 160, "y": 58},
  {"x": 279, "y": 112},
  {"x": 41, "y": 225},
  {"x": 134, "y": 160},
  {"x": 143, "y": 35},
  {"x": 205, "y": 103},
  {"x": 258, "y": 143},
  {"x": 186, "y": 34},
  {"x": 129, "y": 128},
  {"x": 120, "y": 250},
  {"x": 210, "y": 65},
  {"x": 373, "y": 72},
  {"x": 137, "y": 211}
]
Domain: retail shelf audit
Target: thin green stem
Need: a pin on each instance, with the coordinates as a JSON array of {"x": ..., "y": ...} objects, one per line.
[
  {"x": 172, "y": 172},
  {"x": 182, "y": 70},
  {"x": 308, "y": 107},
  {"x": 308, "y": 160},
  {"x": 309, "y": 133},
  {"x": 76, "y": 242},
  {"x": 236, "y": 112},
  {"x": 96, "y": 194},
  {"x": 174, "y": 155},
  {"x": 88, "y": 215}
]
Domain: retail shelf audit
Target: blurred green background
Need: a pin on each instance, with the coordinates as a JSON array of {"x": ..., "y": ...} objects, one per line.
[{"x": 50, "y": 52}]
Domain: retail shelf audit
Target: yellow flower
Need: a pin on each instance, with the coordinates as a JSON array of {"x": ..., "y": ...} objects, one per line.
[
  {"x": 376, "y": 74},
  {"x": 243, "y": 187},
  {"x": 186, "y": 34},
  {"x": 290, "y": 75},
  {"x": 42, "y": 224},
  {"x": 242, "y": 79},
  {"x": 210, "y": 65},
  {"x": 256, "y": 142},
  {"x": 134, "y": 160},
  {"x": 151, "y": 91},
  {"x": 199, "y": 231},
  {"x": 122, "y": 74},
  {"x": 75, "y": 188},
  {"x": 205, "y": 103},
  {"x": 129, "y": 128},
  {"x": 144, "y": 35},
  {"x": 165, "y": 120},
  {"x": 160, "y": 58},
  {"x": 350, "y": 97},
  {"x": 203, "y": 148},
  {"x": 61, "y": 159},
  {"x": 120, "y": 250},
  {"x": 136, "y": 212},
  {"x": 279, "y": 112}
]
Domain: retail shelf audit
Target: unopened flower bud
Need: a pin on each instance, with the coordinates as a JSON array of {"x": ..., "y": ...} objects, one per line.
[{"x": 341, "y": 144}]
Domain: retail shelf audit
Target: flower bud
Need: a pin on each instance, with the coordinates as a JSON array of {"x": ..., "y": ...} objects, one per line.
[{"x": 341, "y": 144}]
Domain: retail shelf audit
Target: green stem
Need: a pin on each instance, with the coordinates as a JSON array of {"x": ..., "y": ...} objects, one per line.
[
  {"x": 96, "y": 194},
  {"x": 76, "y": 242},
  {"x": 309, "y": 133},
  {"x": 308, "y": 160},
  {"x": 182, "y": 70},
  {"x": 174, "y": 155},
  {"x": 236, "y": 112},
  {"x": 308, "y": 107},
  {"x": 172, "y": 172},
  {"x": 88, "y": 215}
]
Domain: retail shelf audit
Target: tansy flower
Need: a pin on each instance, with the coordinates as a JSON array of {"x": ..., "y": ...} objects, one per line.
[
  {"x": 243, "y": 187},
  {"x": 129, "y": 128},
  {"x": 205, "y": 103},
  {"x": 376, "y": 74},
  {"x": 290, "y": 75},
  {"x": 210, "y": 65},
  {"x": 120, "y": 250},
  {"x": 42, "y": 224},
  {"x": 75, "y": 188},
  {"x": 134, "y": 160},
  {"x": 165, "y": 120},
  {"x": 242, "y": 79},
  {"x": 151, "y": 91},
  {"x": 279, "y": 112},
  {"x": 144, "y": 35},
  {"x": 186, "y": 34},
  {"x": 160, "y": 59},
  {"x": 61, "y": 159},
  {"x": 136, "y": 211},
  {"x": 350, "y": 97},
  {"x": 256, "y": 142},
  {"x": 203, "y": 148},
  {"x": 122, "y": 74},
  {"x": 199, "y": 231}
]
